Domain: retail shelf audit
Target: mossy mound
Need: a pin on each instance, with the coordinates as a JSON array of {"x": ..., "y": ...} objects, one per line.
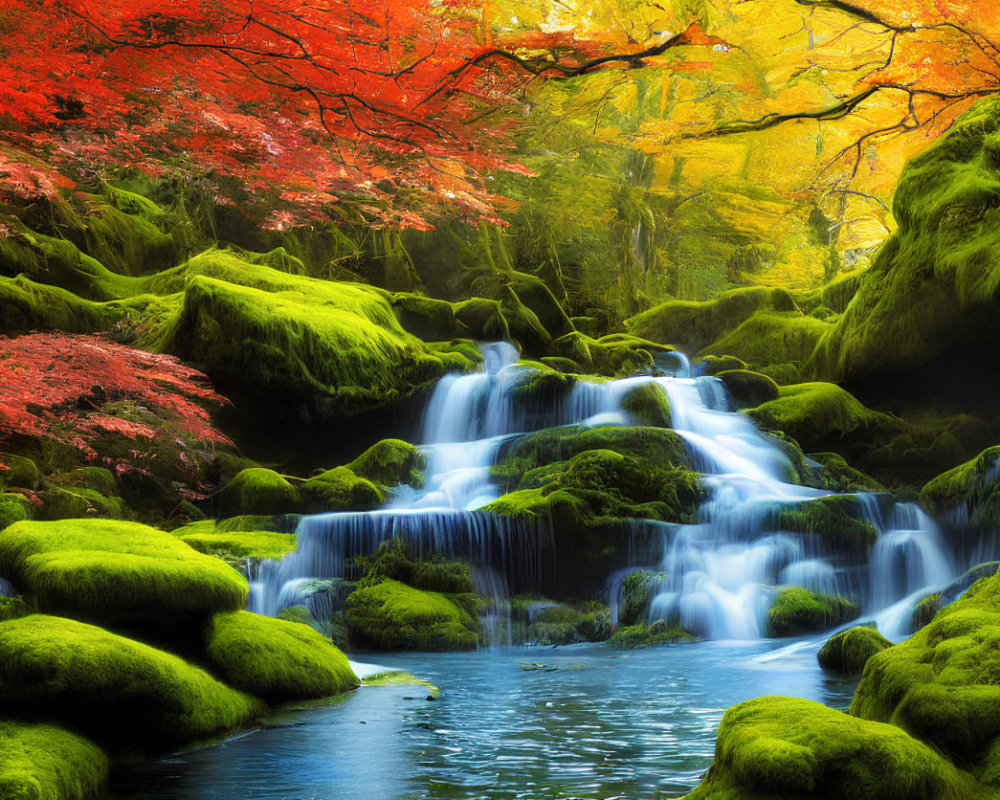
[
  {"x": 55, "y": 668},
  {"x": 614, "y": 355},
  {"x": 748, "y": 389},
  {"x": 925, "y": 610},
  {"x": 340, "y": 489},
  {"x": 777, "y": 344},
  {"x": 391, "y": 462},
  {"x": 849, "y": 651},
  {"x": 840, "y": 521},
  {"x": 115, "y": 571},
  {"x": 552, "y": 624},
  {"x": 823, "y": 416},
  {"x": 292, "y": 348},
  {"x": 693, "y": 325},
  {"x": 932, "y": 291},
  {"x": 43, "y": 762},
  {"x": 648, "y": 405},
  {"x": 21, "y": 472},
  {"x": 390, "y": 615},
  {"x": 258, "y": 491},
  {"x": 780, "y": 748},
  {"x": 796, "y": 610},
  {"x": 837, "y": 475},
  {"x": 13, "y": 508},
  {"x": 274, "y": 659},
  {"x": 395, "y": 560},
  {"x": 238, "y": 544},
  {"x": 713, "y": 365},
  {"x": 969, "y": 493},
  {"x": 633, "y": 637},
  {"x": 941, "y": 684},
  {"x": 29, "y": 306}
]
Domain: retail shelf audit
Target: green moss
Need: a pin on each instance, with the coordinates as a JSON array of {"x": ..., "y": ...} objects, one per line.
[
  {"x": 242, "y": 544},
  {"x": 637, "y": 593},
  {"x": 109, "y": 570},
  {"x": 398, "y": 678},
  {"x": 931, "y": 291},
  {"x": 838, "y": 293},
  {"x": 693, "y": 325},
  {"x": 564, "y": 623},
  {"x": 29, "y": 306},
  {"x": 395, "y": 560},
  {"x": 258, "y": 491},
  {"x": 778, "y": 344},
  {"x": 75, "y": 502},
  {"x": 924, "y": 611},
  {"x": 390, "y": 615},
  {"x": 110, "y": 687},
  {"x": 970, "y": 489},
  {"x": 838, "y": 520},
  {"x": 428, "y": 318},
  {"x": 781, "y": 748},
  {"x": 484, "y": 319},
  {"x": 43, "y": 762},
  {"x": 748, "y": 389},
  {"x": 340, "y": 489},
  {"x": 632, "y": 637},
  {"x": 13, "y": 508},
  {"x": 274, "y": 659},
  {"x": 849, "y": 651},
  {"x": 648, "y": 405},
  {"x": 796, "y": 610},
  {"x": 21, "y": 472},
  {"x": 839, "y": 476},
  {"x": 391, "y": 462},
  {"x": 335, "y": 348},
  {"x": 823, "y": 416},
  {"x": 713, "y": 365}
]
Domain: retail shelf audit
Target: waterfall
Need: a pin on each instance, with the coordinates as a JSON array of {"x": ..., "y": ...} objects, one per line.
[{"x": 718, "y": 575}]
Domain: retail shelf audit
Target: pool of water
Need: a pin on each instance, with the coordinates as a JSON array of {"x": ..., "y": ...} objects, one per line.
[{"x": 532, "y": 723}]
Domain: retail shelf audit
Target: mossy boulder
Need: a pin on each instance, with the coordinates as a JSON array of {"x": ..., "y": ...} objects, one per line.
[
  {"x": 395, "y": 560},
  {"x": 783, "y": 748},
  {"x": 693, "y": 325},
  {"x": 29, "y": 306},
  {"x": 925, "y": 610},
  {"x": 840, "y": 521},
  {"x": 391, "y": 462},
  {"x": 389, "y": 615},
  {"x": 941, "y": 684},
  {"x": 13, "y": 508},
  {"x": 796, "y": 610},
  {"x": 274, "y": 659},
  {"x": 748, "y": 389},
  {"x": 21, "y": 472},
  {"x": 115, "y": 571},
  {"x": 98, "y": 682},
  {"x": 969, "y": 494},
  {"x": 849, "y": 651},
  {"x": 207, "y": 538},
  {"x": 648, "y": 405},
  {"x": 258, "y": 491},
  {"x": 340, "y": 489},
  {"x": 43, "y": 762},
  {"x": 713, "y": 365},
  {"x": 930, "y": 295},
  {"x": 428, "y": 318},
  {"x": 569, "y": 623},
  {"x": 636, "y": 595},
  {"x": 633, "y": 637},
  {"x": 823, "y": 416}
]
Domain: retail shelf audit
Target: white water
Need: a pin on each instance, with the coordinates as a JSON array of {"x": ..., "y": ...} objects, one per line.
[{"x": 719, "y": 573}]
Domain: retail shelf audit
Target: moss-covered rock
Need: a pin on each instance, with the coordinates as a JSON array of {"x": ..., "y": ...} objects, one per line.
[
  {"x": 274, "y": 659},
  {"x": 13, "y": 508},
  {"x": 98, "y": 682},
  {"x": 748, "y": 389},
  {"x": 931, "y": 293},
  {"x": 849, "y": 651},
  {"x": 391, "y": 462},
  {"x": 566, "y": 623},
  {"x": 115, "y": 571},
  {"x": 780, "y": 748},
  {"x": 340, "y": 489},
  {"x": 43, "y": 762},
  {"x": 713, "y": 365},
  {"x": 258, "y": 491},
  {"x": 693, "y": 325},
  {"x": 636, "y": 595},
  {"x": 796, "y": 610},
  {"x": 390, "y": 615},
  {"x": 648, "y": 405},
  {"x": 21, "y": 472},
  {"x": 632, "y": 637},
  {"x": 925, "y": 610},
  {"x": 29, "y": 306},
  {"x": 941, "y": 685},
  {"x": 969, "y": 493},
  {"x": 840, "y": 521},
  {"x": 207, "y": 538},
  {"x": 395, "y": 560}
]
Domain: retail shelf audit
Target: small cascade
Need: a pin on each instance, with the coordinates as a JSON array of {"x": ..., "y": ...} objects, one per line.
[{"x": 717, "y": 576}]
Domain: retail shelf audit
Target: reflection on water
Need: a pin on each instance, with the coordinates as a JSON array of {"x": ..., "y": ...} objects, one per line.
[{"x": 591, "y": 723}]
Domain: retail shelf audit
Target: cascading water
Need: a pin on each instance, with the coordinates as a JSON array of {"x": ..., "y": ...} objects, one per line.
[{"x": 717, "y": 574}]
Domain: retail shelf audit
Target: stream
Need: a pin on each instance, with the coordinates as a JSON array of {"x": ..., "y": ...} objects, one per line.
[{"x": 523, "y": 723}]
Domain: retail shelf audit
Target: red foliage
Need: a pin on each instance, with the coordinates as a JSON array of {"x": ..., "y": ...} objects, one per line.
[{"x": 78, "y": 390}]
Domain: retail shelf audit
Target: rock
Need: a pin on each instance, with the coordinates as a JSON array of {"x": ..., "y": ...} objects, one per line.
[
  {"x": 797, "y": 610},
  {"x": 849, "y": 651}
]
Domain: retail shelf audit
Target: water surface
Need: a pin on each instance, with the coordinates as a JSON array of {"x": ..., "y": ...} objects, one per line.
[{"x": 525, "y": 723}]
